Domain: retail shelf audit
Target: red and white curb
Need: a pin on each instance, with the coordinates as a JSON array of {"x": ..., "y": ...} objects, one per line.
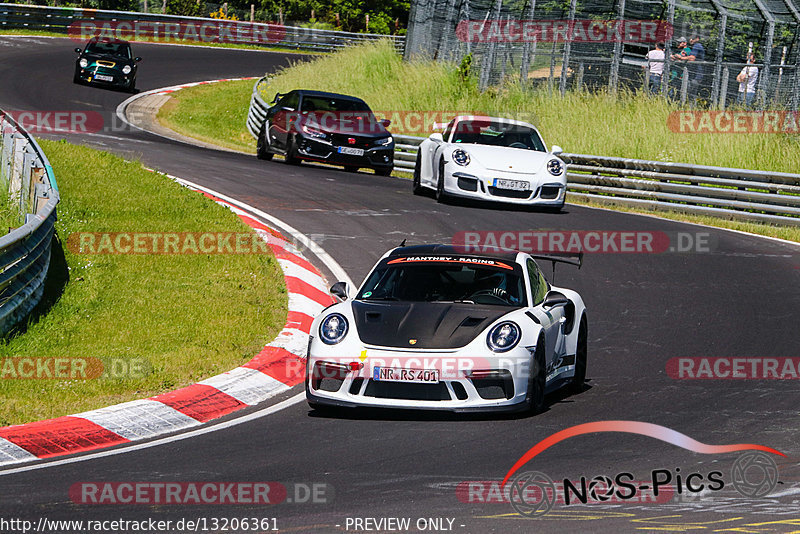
[
  {"x": 173, "y": 88},
  {"x": 279, "y": 366}
]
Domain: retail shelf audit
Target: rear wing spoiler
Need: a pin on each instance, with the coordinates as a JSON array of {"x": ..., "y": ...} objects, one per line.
[{"x": 570, "y": 259}]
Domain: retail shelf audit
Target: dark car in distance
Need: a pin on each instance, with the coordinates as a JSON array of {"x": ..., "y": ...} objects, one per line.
[
  {"x": 108, "y": 62},
  {"x": 326, "y": 127}
]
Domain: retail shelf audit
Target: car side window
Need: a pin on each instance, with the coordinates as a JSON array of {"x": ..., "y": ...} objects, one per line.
[
  {"x": 538, "y": 283},
  {"x": 290, "y": 101},
  {"x": 447, "y": 131}
]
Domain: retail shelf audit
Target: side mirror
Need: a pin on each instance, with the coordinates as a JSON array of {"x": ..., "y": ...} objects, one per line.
[
  {"x": 386, "y": 123},
  {"x": 277, "y": 97},
  {"x": 556, "y": 150},
  {"x": 137, "y": 59},
  {"x": 78, "y": 50},
  {"x": 554, "y": 298},
  {"x": 340, "y": 290},
  {"x": 436, "y": 137}
]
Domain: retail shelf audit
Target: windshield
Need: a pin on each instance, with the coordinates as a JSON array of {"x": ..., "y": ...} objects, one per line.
[
  {"x": 318, "y": 103},
  {"x": 486, "y": 132},
  {"x": 446, "y": 279},
  {"x": 112, "y": 49}
]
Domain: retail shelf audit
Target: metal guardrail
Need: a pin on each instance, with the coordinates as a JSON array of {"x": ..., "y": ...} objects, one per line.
[
  {"x": 59, "y": 19},
  {"x": 257, "y": 113},
  {"x": 25, "y": 251},
  {"x": 741, "y": 194}
]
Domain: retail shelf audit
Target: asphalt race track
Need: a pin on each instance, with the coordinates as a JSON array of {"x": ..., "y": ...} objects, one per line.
[{"x": 741, "y": 299}]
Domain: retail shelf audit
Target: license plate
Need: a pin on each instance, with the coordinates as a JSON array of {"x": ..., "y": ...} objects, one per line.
[
  {"x": 351, "y": 151},
  {"x": 104, "y": 78},
  {"x": 515, "y": 185},
  {"x": 394, "y": 374}
]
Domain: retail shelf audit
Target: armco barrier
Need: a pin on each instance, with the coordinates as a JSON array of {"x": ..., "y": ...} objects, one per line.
[
  {"x": 25, "y": 251},
  {"x": 59, "y": 19},
  {"x": 741, "y": 194}
]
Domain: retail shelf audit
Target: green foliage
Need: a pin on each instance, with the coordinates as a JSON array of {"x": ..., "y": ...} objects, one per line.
[
  {"x": 352, "y": 13},
  {"x": 187, "y": 8},
  {"x": 465, "y": 67}
]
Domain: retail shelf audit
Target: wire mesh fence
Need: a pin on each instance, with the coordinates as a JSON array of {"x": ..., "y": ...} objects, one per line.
[{"x": 592, "y": 45}]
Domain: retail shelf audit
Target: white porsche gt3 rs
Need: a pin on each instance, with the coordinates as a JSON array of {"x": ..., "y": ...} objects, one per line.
[
  {"x": 434, "y": 327},
  {"x": 490, "y": 158}
]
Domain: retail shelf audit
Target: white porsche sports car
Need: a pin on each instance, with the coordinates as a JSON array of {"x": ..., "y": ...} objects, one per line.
[
  {"x": 490, "y": 158},
  {"x": 435, "y": 327}
]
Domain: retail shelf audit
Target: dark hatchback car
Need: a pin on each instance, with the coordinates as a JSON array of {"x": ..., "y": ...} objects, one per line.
[
  {"x": 326, "y": 127},
  {"x": 107, "y": 62}
]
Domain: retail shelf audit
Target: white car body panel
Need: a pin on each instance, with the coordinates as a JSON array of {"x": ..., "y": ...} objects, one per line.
[
  {"x": 532, "y": 320},
  {"x": 488, "y": 163}
]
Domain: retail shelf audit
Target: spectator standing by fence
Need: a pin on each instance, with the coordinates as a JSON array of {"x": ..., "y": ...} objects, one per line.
[
  {"x": 747, "y": 82},
  {"x": 655, "y": 65},
  {"x": 697, "y": 72}
]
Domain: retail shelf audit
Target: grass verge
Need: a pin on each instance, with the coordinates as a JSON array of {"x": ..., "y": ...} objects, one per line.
[
  {"x": 632, "y": 125},
  {"x": 9, "y": 211},
  {"x": 789, "y": 233},
  {"x": 180, "y": 317},
  {"x": 212, "y": 113}
]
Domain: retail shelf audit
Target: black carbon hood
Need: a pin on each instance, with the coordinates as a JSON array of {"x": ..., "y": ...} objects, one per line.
[{"x": 433, "y": 325}]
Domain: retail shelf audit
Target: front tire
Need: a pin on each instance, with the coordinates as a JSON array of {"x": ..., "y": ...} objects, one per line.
[
  {"x": 384, "y": 171},
  {"x": 262, "y": 145},
  {"x": 416, "y": 186},
  {"x": 581, "y": 357},
  {"x": 291, "y": 158},
  {"x": 534, "y": 397},
  {"x": 440, "y": 194}
]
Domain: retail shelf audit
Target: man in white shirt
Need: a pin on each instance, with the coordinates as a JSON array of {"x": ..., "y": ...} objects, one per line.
[
  {"x": 747, "y": 82},
  {"x": 655, "y": 63}
]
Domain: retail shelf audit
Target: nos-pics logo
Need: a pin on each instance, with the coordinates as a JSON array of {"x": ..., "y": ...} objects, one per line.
[{"x": 533, "y": 494}]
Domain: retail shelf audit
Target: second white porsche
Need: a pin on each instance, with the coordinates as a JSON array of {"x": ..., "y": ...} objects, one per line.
[{"x": 494, "y": 159}]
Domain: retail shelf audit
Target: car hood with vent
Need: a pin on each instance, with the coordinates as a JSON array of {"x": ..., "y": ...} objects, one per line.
[{"x": 423, "y": 325}]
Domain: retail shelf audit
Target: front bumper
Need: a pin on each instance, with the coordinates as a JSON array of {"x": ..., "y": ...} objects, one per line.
[
  {"x": 490, "y": 382},
  {"x": 375, "y": 157},
  {"x": 548, "y": 193},
  {"x": 89, "y": 75}
]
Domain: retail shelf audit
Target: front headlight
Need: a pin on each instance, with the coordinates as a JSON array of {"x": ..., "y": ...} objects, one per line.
[
  {"x": 461, "y": 157},
  {"x": 503, "y": 337},
  {"x": 333, "y": 329},
  {"x": 315, "y": 133},
  {"x": 555, "y": 167},
  {"x": 126, "y": 69},
  {"x": 83, "y": 63},
  {"x": 385, "y": 141}
]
